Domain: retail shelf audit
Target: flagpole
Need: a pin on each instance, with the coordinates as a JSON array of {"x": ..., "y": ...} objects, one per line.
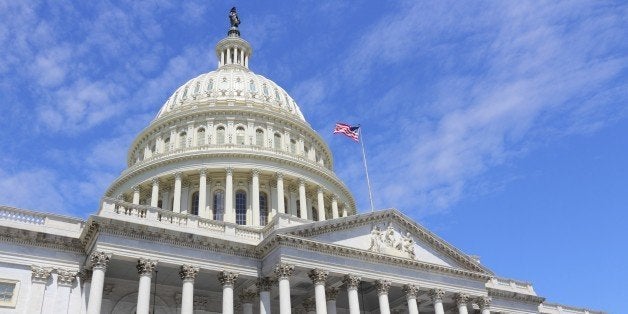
[{"x": 366, "y": 169}]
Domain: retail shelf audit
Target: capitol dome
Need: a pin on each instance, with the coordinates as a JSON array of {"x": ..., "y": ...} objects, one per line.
[{"x": 232, "y": 146}]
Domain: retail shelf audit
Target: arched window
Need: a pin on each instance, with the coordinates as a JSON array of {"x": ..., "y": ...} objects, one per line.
[
  {"x": 277, "y": 141},
  {"x": 167, "y": 144},
  {"x": 293, "y": 146},
  {"x": 240, "y": 204},
  {"x": 259, "y": 137},
  {"x": 314, "y": 214},
  {"x": 194, "y": 209},
  {"x": 240, "y": 135},
  {"x": 219, "y": 205},
  {"x": 263, "y": 208},
  {"x": 306, "y": 152},
  {"x": 299, "y": 208},
  {"x": 183, "y": 137},
  {"x": 220, "y": 135},
  {"x": 200, "y": 137}
]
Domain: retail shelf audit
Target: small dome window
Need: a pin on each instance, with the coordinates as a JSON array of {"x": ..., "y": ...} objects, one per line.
[
  {"x": 277, "y": 96},
  {"x": 220, "y": 135},
  {"x": 277, "y": 141},
  {"x": 210, "y": 85},
  {"x": 265, "y": 88},
  {"x": 259, "y": 137},
  {"x": 200, "y": 137},
  {"x": 252, "y": 86},
  {"x": 293, "y": 146},
  {"x": 197, "y": 87},
  {"x": 183, "y": 137},
  {"x": 240, "y": 135},
  {"x": 185, "y": 92}
]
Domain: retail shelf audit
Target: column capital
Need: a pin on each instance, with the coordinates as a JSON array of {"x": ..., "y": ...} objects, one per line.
[
  {"x": 351, "y": 281},
  {"x": 331, "y": 293},
  {"x": 437, "y": 295},
  {"x": 145, "y": 267},
  {"x": 461, "y": 299},
  {"x": 227, "y": 278},
  {"x": 284, "y": 270},
  {"x": 483, "y": 302},
  {"x": 279, "y": 175},
  {"x": 320, "y": 189},
  {"x": 318, "y": 276},
  {"x": 66, "y": 277},
  {"x": 136, "y": 188},
  {"x": 188, "y": 272},
  {"x": 301, "y": 182},
  {"x": 247, "y": 297},
  {"x": 178, "y": 175},
  {"x": 334, "y": 198},
  {"x": 99, "y": 259},
  {"x": 202, "y": 172},
  {"x": 264, "y": 284},
  {"x": 382, "y": 286},
  {"x": 85, "y": 275},
  {"x": 229, "y": 171},
  {"x": 155, "y": 181},
  {"x": 255, "y": 172},
  {"x": 40, "y": 274},
  {"x": 411, "y": 291},
  {"x": 309, "y": 305}
]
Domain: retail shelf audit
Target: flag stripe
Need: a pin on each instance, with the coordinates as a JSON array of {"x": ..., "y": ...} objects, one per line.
[{"x": 347, "y": 130}]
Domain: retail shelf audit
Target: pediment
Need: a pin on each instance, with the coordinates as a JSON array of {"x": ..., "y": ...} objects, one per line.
[{"x": 390, "y": 233}]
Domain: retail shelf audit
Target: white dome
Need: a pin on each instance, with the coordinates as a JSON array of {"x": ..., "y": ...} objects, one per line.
[{"x": 230, "y": 83}]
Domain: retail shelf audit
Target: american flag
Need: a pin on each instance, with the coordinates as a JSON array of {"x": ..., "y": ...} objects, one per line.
[{"x": 348, "y": 130}]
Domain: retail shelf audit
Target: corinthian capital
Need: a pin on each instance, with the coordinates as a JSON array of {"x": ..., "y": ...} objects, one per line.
[
  {"x": 247, "y": 297},
  {"x": 188, "y": 272},
  {"x": 99, "y": 260},
  {"x": 461, "y": 299},
  {"x": 264, "y": 284},
  {"x": 85, "y": 275},
  {"x": 284, "y": 270},
  {"x": 483, "y": 302},
  {"x": 351, "y": 281},
  {"x": 437, "y": 295},
  {"x": 331, "y": 293},
  {"x": 411, "y": 291},
  {"x": 227, "y": 278},
  {"x": 66, "y": 277},
  {"x": 146, "y": 266},
  {"x": 309, "y": 305},
  {"x": 318, "y": 276},
  {"x": 40, "y": 274},
  {"x": 382, "y": 286}
]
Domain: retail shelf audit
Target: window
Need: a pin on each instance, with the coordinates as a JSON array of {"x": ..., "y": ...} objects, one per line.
[
  {"x": 219, "y": 205},
  {"x": 200, "y": 137},
  {"x": 210, "y": 85},
  {"x": 8, "y": 292},
  {"x": 185, "y": 93},
  {"x": 265, "y": 90},
  {"x": 314, "y": 214},
  {"x": 259, "y": 137},
  {"x": 293, "y": 146},
  {"x": 153, "y": 149},
  {"x": 167, "y": 144},
  {"x": 194, "y": 209},
  {"x": 306, "y": 151},
  {"x": 251, "y": 86},
  {"x": 220, "y": 135},
  {"x": 299, "y": 208},
  {"x": 240, "y": 135},
  {"x": 285, "y": 204},
  {"x": 240, "y": 203},
  {"x": 277, "y": 141},
  {"x": 160, "y": 203},
  {"x": 183, "y": 137},
  {"x": 263, "y": 208},
  {"x": 197, "y": 87}
]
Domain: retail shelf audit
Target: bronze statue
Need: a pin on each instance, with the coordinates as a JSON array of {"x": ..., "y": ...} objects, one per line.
[{"x": 233, "y": 17}]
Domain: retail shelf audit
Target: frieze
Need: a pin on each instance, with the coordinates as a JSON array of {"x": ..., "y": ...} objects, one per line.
[{"x": 40, "y": 239}]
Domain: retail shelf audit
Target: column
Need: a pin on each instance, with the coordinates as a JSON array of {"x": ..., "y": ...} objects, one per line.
[
  {"x": 352, "y": 282},
  {"x": 176, "y": 204},
  {"x": 202, "y": 194},
  {"x": 136, "y": 195},
  {"x": 229, "y": 55},
  {"x": 222, "y": 58},
  {"x": 318, "y": 277},
  {"x": 39, "y": 279},
  {"x": 461, "y": 301},
  {"x": 331, "y": 294},
  {"x": 165, "y": 199},
  {"x": 411, "y": 292},
  {"x": 247, "y": 298},
  {"x": 99, "y": 261},
  {"x": 145, "y": 268},
  {"x": 437, "y": 297},
  {"x": 302, "y": 199},
  {"x": 334, "y": 207},
  {"x": 283, "y": 272},
  {"x": 188, "y": 274},
  {"x": 344, "y": 210},
  {"x": 85, "y": 276},
  {"x": 154, "y": 196},
  {"x": 65, "y": 280},
  {"x": 263, "y": 288},
  {"x": 309, "y": 305},
  {"x": 280, "y": 196},
  {"x": 227, "y": 280},
  {"x": 255, "y": 196},
  {"x": 229, "y": 210},
  {"x": 485, "y": 304},
  {"x": 382, "y": 287},
  {"x": 320, "y": 199}
]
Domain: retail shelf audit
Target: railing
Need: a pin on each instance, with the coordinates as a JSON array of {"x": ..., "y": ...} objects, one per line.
[
  {"x": 40, "y": 222},
  {"x": 115, "y": 208},
  {"x": 513, "y": 284},
  {"x": 23, "y": 216}
]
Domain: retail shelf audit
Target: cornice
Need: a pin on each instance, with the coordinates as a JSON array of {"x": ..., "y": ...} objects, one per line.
[
  {"x": 496, "y": 293},
  {"x": 40, "y": 239}
]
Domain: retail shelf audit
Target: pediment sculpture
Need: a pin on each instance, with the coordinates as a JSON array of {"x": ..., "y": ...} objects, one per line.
[{"x": 389, "y": 242}]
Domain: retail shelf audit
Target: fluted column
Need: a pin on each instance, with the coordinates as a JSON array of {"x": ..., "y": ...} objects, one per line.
[
  {"x": 65, "y": 280},
  {"x": 330, "y": 295},
  {"x": 136, "y": 195},
  {"x": 263, "y": 288},
  {"x": 255, "y": 196},
  {"x": 320, "y": 199},
  {"x": 283, "y": 272},
  {"x": 154, "y": 195},
  {"x": 318, "y": 277},
  {"x": 39, "y": 279},
  {"x": 437, "y": 297},
  {"x": 334, "y": 207},
  {"x": 145, "y": 270},
  {"x": 247, "y": 298},
  {"x": 85, "y": 276},
  {"x": 165, "y": 199},
  {"x": 229, "y": 215},
  {"x": 188, "y": 274},
  {"x": 280, "y": 205},
  {"x": 99, "y": 261},
  {"x": 382, "y": 287},
  {"x": 352, "y": 282},
  {"x": 302, "y": 199},
  {"x": 485, "y": 304},
  {"x": 227, "y": 280},
  {"x": 176, "y": 204},
  {"x": 461, "y": 301},
  {"x": 202, "y": 193},
  {"x": 411, "y": 292}
]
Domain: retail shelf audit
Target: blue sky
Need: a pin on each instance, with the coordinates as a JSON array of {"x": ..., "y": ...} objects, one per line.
[{"x": 499, "y": 125}]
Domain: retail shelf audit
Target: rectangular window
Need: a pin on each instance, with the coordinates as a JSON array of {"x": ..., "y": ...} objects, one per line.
[{"x": 8, "y": 292}]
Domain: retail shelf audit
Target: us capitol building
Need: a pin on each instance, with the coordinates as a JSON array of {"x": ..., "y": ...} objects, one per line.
[{"x": 230, "y": 204}]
